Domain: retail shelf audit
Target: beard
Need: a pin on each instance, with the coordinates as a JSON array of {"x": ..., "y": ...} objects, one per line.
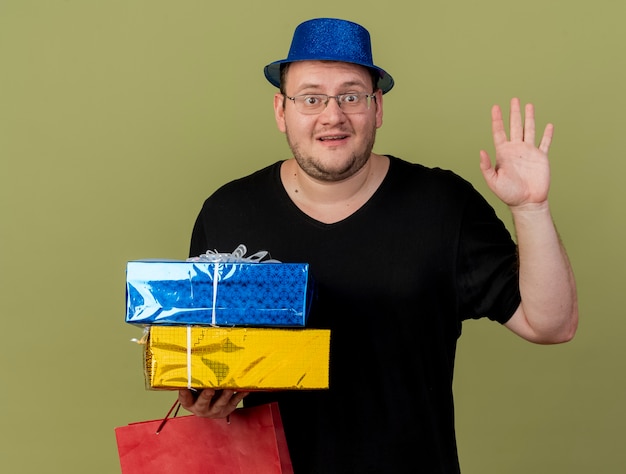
[{"x": 317, "y": 169}]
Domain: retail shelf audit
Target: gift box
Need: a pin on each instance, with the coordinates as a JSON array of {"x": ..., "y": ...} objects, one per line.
[
  {"x": 236, "y": 358},
  {"x": 218, "y": 293}
]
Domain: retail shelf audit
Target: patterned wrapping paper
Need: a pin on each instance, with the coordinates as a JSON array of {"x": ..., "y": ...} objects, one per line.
[
  {"x": 221, "y": 294},
  {"x": 237, "y": 358}
]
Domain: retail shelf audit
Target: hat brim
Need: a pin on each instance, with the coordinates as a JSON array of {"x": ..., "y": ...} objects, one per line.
[{"x": 272, "y": 72}]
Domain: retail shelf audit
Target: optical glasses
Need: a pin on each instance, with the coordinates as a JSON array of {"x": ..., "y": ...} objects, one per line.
[{"x": 352, "y": 103}]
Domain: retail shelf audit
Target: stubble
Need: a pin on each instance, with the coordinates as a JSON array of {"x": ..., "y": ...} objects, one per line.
[{"x": 317, "y": 169}]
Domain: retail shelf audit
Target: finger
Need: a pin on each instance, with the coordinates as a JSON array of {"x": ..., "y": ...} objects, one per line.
[
  {"x": 497, "y": 126},
  {"x": 225, "y": 400},
  {"x": 529, "y": 124},
  {"x": 486, "y": 166},
  {"x": 485, "y": 160},
  {"x": 515, "y": 121},
  {"x": 228, "y": 401},
  {"x": 186, "y": 399},
  {"x": 238, "y": 397},
  {"x": 546, "y": 140},
  {"x": 203, "y": 403}
]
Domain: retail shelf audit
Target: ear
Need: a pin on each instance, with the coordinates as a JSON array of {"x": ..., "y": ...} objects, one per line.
[
  {"x": 279, "y": 111},
  {"x": 379, "y": 108}
]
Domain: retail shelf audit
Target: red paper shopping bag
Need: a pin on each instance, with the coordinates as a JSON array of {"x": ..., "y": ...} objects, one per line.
[{"x": 252, "y": 441}]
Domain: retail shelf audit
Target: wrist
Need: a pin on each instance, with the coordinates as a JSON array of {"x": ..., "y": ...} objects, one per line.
[
  {"x": 531, "y": 215},
  {"x": 530, "y": 208}
]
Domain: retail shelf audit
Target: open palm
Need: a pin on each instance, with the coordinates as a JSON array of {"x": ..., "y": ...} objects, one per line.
[{"x": 521, "y": 173}]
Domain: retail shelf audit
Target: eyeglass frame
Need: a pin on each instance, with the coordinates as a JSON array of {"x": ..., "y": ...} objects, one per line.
[{"x": 368, "y": 98}]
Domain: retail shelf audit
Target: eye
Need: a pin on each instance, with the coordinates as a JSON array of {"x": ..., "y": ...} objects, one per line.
[
  {"x": 350, "y": 98},
  {"x": 311, "y": 100}
]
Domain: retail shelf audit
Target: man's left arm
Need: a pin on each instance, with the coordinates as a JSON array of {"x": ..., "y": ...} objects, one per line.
[{"x": 548, "y": 312}]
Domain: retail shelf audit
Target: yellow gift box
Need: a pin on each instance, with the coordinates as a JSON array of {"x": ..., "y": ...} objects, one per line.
[{"x": 237, "y": 358}]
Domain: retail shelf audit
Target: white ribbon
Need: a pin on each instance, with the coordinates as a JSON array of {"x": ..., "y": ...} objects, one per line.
[
  {"x": 188, "y": 357},
  {"x": 237, "y": 256},
  {"x": 144, "y": 338},
  {"x": 213, "y": 256},
  {"x": 216, "y": 277}
]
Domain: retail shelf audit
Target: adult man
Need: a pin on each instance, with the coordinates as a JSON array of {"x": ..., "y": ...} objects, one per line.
[{"x": 402, "y": 255}]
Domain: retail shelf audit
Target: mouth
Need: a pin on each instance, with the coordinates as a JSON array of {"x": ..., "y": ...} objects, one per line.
[{"x": 332, "y": 138}]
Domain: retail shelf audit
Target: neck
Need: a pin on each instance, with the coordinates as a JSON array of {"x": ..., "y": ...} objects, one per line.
[{"x": 331, "y": 202}]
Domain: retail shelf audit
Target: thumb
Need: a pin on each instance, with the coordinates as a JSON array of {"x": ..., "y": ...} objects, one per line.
[{"x": 485, "y": 166}]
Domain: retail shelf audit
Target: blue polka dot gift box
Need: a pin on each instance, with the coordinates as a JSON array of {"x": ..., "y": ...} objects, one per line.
[{"x": 219, "y": 293}]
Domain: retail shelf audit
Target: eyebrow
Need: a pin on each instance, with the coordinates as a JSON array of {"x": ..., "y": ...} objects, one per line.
[{"x": 344, "y": 85}]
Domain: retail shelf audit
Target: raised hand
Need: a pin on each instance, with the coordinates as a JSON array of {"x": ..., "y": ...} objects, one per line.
[{"x": 521, "y": 173}]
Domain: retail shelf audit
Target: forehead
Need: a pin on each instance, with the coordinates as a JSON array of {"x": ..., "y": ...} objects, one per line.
[{"x": 326, "y": 74}]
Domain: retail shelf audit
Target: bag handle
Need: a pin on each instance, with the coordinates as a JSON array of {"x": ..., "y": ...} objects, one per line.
[
  {"x": 162, "y": 424},
  {"x": 177, "y": 405}
]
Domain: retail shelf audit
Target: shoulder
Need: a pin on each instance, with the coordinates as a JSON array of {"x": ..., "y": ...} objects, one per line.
[
  {"x": 425, "y": 181},
  {"x": 439, "y": 194},
  {"x": 228, "y": 216},
  {"x": 252, "y": 186},
  {"x": 253, "y": 180}
]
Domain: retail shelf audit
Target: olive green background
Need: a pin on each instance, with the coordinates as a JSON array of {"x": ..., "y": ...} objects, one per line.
[{"x": 119, "y": 117}]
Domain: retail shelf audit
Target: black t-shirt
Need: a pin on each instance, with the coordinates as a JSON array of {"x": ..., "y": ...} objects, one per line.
[{"x": 395, "y": 280}]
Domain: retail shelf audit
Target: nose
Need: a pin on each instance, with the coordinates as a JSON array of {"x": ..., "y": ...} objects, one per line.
[{"x": 332, "y": 112}]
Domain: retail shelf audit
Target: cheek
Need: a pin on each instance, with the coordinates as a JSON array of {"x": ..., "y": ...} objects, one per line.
[{"x": 297, "y": 126}]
